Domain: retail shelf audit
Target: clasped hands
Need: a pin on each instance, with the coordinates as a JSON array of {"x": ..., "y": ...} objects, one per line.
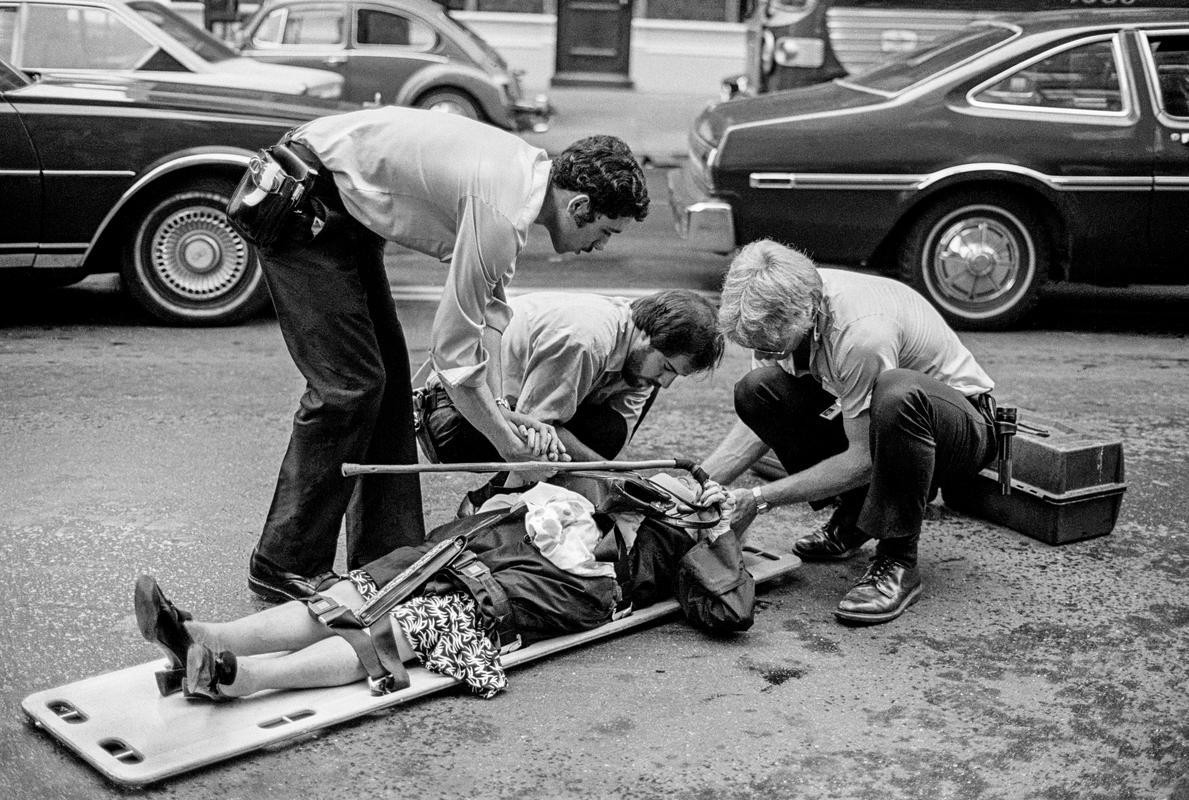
[{"x": 538, "y": 441}]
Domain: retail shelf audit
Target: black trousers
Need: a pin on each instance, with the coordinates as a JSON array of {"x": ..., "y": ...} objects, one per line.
[
  {"x": 923, "y": 434},
  {"x": 597, "y": 426},
  {"x": 339, "y": 322}
]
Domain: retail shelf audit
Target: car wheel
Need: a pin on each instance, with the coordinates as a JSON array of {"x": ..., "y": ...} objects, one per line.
[
  {"x": 451, "y": 102},
  {"x": 980, "y": 258},
  {"x": 185, "y": 264}
]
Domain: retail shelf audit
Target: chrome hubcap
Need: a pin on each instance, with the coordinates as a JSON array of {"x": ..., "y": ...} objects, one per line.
[
  {"x": 449, "y": 107},
  {"x": 197, "y": 254},
  {"x": 977, "y": 260}
]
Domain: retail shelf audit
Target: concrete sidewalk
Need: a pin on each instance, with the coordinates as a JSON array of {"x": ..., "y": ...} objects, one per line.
[{"x": 654, "y": 125}]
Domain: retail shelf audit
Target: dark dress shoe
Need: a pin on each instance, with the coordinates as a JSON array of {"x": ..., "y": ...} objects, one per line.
[
  {"x": 160, "y": 622},
  {"x": 837, "y": 540},
  {"x": 271, "y": 582},
  {"x": 885, "y": 590},
  {"x": 206, "y": 670}
]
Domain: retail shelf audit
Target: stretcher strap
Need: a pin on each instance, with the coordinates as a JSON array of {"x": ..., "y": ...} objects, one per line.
[
  {"x": 403, "y": 585},
  {"x": 489, "y": 597},
  {"x": 375, "y": 647}
]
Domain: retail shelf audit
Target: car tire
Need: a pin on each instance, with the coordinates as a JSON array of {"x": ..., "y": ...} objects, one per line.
[
  {"x": 186, "y": 265},
  {"x": 451, "y": 101},
  {"x": 980, "y": 258}
]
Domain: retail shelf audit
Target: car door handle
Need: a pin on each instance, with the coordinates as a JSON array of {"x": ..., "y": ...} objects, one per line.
[{"x": 334, "y": 61}]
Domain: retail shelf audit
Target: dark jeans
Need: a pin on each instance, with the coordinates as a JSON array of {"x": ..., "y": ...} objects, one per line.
[
  {"x": 338, "y": 319},
  {"x": 923, "y": 434},
  {"x": 600, "y": 428}
]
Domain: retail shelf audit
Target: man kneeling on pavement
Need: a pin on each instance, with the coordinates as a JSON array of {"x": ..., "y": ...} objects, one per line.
[
  {"x": 590, "y": 365},
  {"x": 868, "y": 399}
]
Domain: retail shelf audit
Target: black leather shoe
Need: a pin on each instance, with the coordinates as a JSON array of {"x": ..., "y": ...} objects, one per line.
[
  {"x": 885, "y": 590},
  {"x": 206, "y": 670},
  {"x": 270, "y": 582},
  {"x": 837, "y": 540},
  {"x": 160, "y": 622}
]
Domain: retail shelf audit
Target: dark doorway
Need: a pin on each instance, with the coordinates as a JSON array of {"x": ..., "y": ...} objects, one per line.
[{"x": 593, "y": 43}]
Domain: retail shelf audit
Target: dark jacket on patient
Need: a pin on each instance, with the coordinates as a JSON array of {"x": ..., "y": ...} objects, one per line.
[{"x": 546, "y": 601}]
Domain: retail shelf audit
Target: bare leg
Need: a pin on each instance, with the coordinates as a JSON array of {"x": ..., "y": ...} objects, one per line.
[
  {"x": 316, "y": 657},
  {"x": 326, "y": 663},
  {"x": 288, "y": 626}
]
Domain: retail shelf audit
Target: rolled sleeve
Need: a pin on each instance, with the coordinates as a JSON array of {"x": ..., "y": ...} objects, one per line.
[
  {"x": 473, "y": 298},
  {"x": 864, "y": 356}
]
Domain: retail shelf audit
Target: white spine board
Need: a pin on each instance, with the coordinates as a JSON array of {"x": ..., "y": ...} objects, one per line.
[{"x": 121, "y": 726}]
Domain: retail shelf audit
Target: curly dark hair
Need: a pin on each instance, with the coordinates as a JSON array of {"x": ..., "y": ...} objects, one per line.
[
  {"x": 603, "y": 168},
  {"x": 681, "y": 323}
]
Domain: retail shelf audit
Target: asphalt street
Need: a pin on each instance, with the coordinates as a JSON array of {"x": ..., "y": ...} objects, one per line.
[{"x": 1026, "y": 672}]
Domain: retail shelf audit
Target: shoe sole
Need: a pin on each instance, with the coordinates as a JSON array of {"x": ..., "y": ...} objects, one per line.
[
  {"x": 887, "y": 616},
  {"x": 146, "y": 607},
  {"x": 268, "y": 592},
  {"x": 820, "y": 557}
]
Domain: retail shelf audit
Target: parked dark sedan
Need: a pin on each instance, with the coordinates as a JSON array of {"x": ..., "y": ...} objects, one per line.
[
  {"x": 1044, "y": 147},
  {"x": 119, "y": 175}
]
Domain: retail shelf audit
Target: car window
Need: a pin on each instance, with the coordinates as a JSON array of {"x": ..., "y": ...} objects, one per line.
[
  {"x": 10, "y": 78},
  {"x": 8, "y": 22},
  {"x": 1084, "y": 78},
  {"x": 1170, "y": 54},
  {"x": 268, "y": 32},
  {"x": 198, "y": 41},
  {"x": 306, "y": 26},
  {"x": 373, "y": 27},
  {"x": 946, "y": 52},
  {"x": 66, "y": 37}
]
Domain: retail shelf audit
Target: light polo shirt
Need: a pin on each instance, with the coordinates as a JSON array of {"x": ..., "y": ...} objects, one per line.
[
  {"x": 869, "y": 324},
  {"x": 450, "y": 187},
  {"x": 561, "y": 350}
]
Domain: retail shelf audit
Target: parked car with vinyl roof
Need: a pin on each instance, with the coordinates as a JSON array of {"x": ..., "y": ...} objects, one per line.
[
  {"x": 143, "y": 39},
  {"x": 400, "y": 52},
  {"x": 1019, "y": 151},
  {"x": 112, "y": 174}
]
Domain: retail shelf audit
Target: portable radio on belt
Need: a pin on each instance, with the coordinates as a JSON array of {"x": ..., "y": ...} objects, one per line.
[{"x": 1005, "y": 427}]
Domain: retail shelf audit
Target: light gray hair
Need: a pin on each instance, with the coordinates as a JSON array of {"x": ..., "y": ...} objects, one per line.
[{"x": 770, "y": 292}]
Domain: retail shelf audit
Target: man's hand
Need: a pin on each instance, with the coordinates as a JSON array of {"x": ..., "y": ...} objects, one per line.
[
  {"x": 539, "y": 438},
  {"x": 744, "y": 510}
]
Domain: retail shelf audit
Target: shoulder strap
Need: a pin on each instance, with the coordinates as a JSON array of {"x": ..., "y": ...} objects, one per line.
[{"x": 489, "y": 596}]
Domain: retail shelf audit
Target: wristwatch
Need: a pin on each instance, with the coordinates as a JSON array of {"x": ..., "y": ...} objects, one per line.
[
  {"x": 502, "y": 403},
  {"x": 761, "y": 504}
]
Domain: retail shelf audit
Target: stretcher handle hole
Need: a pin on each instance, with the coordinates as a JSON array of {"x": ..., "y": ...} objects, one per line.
[
  {"x": 66, "y": 711},
  {"x": 286, "y": 719},
  {"x": 755, "y": 551},
  {"x": 121, "y": 751}
]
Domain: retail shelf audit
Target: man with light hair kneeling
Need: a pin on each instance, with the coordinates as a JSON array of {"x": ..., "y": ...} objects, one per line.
[{"x": 868, "y": 399}]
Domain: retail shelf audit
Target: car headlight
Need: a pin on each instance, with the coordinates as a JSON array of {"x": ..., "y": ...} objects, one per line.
[{"x": 793, "y": 51}]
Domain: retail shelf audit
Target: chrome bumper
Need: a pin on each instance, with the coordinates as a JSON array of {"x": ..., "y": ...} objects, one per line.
[
  {"x": 533, "y": 115},
  {"x": 706, "y": 223}
]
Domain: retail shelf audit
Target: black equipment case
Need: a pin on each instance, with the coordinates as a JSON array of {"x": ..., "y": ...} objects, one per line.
[{"x": 1065, "y": 487}]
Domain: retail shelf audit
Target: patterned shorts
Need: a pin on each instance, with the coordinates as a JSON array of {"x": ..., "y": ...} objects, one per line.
[{"x": 449, "y": 635}]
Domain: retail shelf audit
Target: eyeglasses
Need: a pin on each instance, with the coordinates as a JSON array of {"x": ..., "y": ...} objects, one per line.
[{"x": 772, "y": 355}]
